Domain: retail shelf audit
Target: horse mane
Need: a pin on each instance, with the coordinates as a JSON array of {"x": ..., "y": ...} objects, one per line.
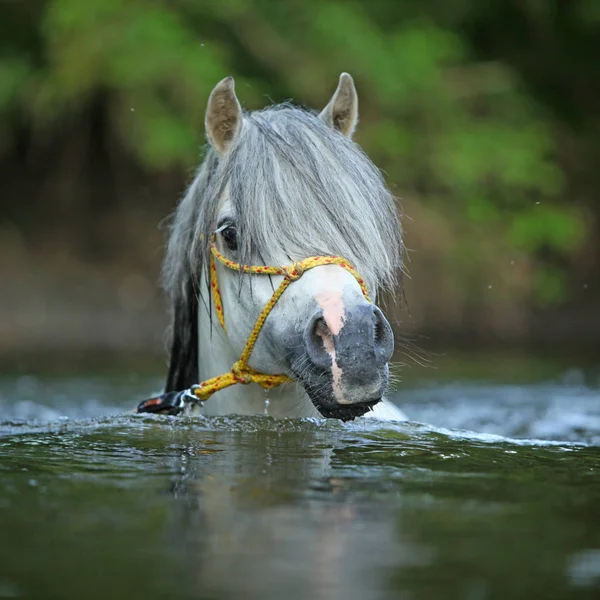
[{"x": 297, "y": 188}]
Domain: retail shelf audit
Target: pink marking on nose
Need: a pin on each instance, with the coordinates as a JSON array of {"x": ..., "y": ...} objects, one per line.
[
  {"x": 336, "y": 371},
  {"x": 330, "y": 302},
  {"x": 334, "y": 313}
]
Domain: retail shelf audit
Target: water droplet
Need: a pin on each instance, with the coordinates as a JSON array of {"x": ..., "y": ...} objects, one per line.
[{"x": 490, "y": 286}]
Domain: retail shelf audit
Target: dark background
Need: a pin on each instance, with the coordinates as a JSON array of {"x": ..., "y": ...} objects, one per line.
[{"x": 484, "y": 116}]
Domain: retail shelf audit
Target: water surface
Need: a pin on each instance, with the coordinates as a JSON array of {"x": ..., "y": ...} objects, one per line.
[{"x": 491, "y": 491}]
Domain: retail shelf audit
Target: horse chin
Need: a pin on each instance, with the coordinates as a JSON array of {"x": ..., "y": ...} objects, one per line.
[
  {"x": 345, "y": 412},
  {"x": 330, "y": 408}
]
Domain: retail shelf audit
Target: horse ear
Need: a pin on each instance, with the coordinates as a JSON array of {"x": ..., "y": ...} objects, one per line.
[
  {"x": 342, "y": 110},
  {"x": 223, "y": 120}
]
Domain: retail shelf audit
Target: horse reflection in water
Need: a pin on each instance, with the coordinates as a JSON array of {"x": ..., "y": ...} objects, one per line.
[
  {"x": 278, "y": 186},
  {"x": 271, "y": 521}
]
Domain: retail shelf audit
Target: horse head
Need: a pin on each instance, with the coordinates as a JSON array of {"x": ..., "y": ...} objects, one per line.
[{"x": 284, "y": 194}]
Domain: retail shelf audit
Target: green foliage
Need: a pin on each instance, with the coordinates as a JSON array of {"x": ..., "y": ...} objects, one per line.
[
  {"x": 460, "y": 133},
  {"x": 14, "y": 75},
  {"x": 549, "y": 286},
  {"x": 557, "y": 227},
  {"x": 145, "y": 55}
]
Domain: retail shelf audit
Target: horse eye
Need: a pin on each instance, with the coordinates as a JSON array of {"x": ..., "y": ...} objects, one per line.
[{"x": 229, "y": 235}]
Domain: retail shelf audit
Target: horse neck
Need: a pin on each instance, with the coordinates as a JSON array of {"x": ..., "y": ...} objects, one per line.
[{"x": 216, "y": 356}]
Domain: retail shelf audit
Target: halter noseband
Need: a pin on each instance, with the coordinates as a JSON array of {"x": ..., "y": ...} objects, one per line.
[{"x": 241, "y": 372}]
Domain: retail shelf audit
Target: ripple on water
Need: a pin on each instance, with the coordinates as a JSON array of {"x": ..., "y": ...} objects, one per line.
[
  {"x": 501, "y": 482},
  {"x": 466, "y": 426},
  {"x": 556, "y": 412}
]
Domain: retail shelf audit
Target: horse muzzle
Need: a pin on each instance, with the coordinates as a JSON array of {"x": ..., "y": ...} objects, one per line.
[{"x": 346, "y": 373}]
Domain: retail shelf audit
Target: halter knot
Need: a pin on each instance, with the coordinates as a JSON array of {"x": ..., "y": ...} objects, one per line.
[
  {"x": 241, "y": 373},
  {"x": 294, "y": 271}
]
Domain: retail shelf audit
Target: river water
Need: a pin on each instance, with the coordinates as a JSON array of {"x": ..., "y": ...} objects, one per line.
[{"x": 492, "y": 491}]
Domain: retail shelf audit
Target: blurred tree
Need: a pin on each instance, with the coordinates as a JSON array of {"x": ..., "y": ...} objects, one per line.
[{"x": 483, "y": 111}]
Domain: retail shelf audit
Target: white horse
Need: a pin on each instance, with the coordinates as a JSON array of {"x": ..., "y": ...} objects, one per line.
[{"x": 278, "y": 186}]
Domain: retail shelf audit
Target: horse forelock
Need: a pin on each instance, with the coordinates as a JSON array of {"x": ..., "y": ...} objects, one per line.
[{"x": 297, "y": 188}]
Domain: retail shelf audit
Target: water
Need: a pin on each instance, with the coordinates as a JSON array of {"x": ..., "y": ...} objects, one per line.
[{"x": 493, "y": 491}]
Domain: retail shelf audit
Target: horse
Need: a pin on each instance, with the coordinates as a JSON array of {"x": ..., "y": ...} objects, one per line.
[{"x": 284, "y": 186}]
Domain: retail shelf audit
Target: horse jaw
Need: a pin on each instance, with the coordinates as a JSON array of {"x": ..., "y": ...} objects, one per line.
[{"x": 216, "y": 355}]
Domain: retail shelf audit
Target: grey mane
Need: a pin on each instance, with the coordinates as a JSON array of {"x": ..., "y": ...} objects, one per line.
[{"x": 298, "y": 188}]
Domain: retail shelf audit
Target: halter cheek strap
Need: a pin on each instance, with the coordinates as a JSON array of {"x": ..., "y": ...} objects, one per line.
[{"x": 241, "y": 372}]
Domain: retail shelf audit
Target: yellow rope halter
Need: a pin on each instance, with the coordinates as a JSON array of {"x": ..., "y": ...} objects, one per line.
[{"x": 241, "y": 372}]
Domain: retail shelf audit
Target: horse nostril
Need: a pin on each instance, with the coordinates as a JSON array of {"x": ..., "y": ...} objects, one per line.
[
  {"x": 323, "y": 337},
  {"x": 364, "y": 344},
  {"x": 321, "y": 329},
  {"x": 382, "y": 335},
  {"x": 318, "y": 342}
]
